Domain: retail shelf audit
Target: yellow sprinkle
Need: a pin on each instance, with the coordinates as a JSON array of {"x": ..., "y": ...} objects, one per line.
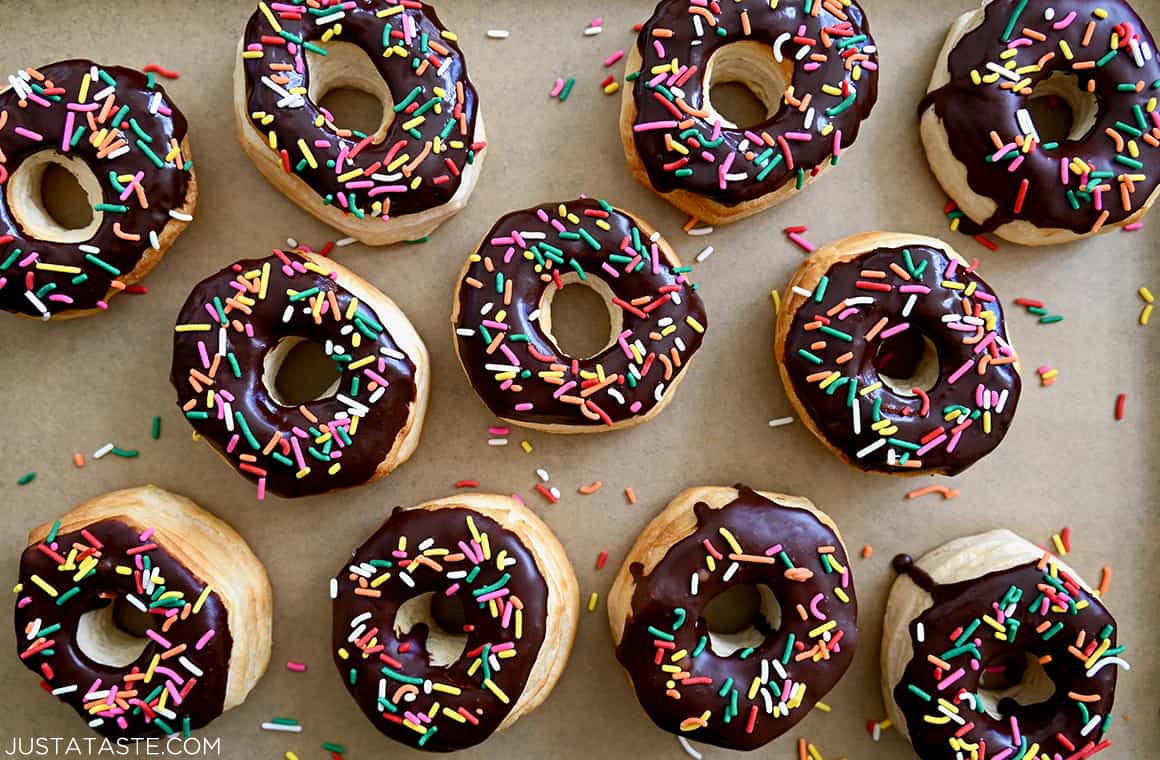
[
  {"x": 527, "y": 447},
  {"x": 1059, "y": 548},
  {"x": 870, "y": 389},
  {"x": 57, "y": 268},
  {"x": 776, "y": 300},
  {"x": 447, "y": 689},
  {"x": 1146, "y": 314},
  {"x": 447, "y": 711},
  {"x": 193, "y": 328},
  {"x": 592, "y": 601},
  {"x": 695, "y": 324},
  {"x": 1146, "y": 294},
  {"x": 498, "y": 692},
  {"x": 270, "y": 16},
  {"x": 841, "y": 595},
  {"x": 307, "y": 154},
  {"x": 823, "y": 628},
  {"x": 48, "y": 589},
  {"x": 823, "y": 707},
  {"x": 291, "y": 755}
]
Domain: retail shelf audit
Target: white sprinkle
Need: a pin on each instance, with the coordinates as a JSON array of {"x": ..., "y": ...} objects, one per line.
[
  {"x": 103, "y": 450},
  {"x": 296, "y": 729},
  {"x": 466, "y": 332},
  {"x": 88, "y": 249},
  {"x": 1091, "y": 725},
  {"x": 777, "y": 666},
  {"x": 1049, "y": 14},
  {"x": 542, "y": 474},
  {"x": 920, "y": 633},
  {"x": 323, "y": 20},
  {"x": 1005, "y": 73},
  {"x": 64, "y": 690},
  {"x": 498, "y": 34},
  {"x": 344, "y": 242},
  {"x": 592, "y": 31},
  {"x": 910, "y": 302},
  {"x": 1002, "y": 402},
  {"x": 871, "y": 448},
  {"x": 392, "y": 353},
  {"x": 699, "y": 231},
  {"x": 705, "y": 253},
  {"x": 801, "y": 291},
  {"x": 1107, "y": 661},
  {"x": 689, "y": 748},
  {"x": 733, "y": 568},
  {"x": 856, "y": 409},
  {"x": 291, "y": 243},
  {"x": 555, "y": 492},
  {"x": 694, "y": 583},
  {"x": 37, "y": 303},
  {"x": 780, "y": 421},
  {"x": 777, "y": 56},
  {"x": 357, "y": 409},
  {"x": 407, "y": 579},
  {"x": 497, "y": 441},
  {"x": 154, "y": 241},
  {"x": 877, "y": 733},
  {"x": 133, "y": 600},
  {"x": 185, "y": 662},
  {"x": 180, "y": 216},
  {"x": 334, "y": 588}
]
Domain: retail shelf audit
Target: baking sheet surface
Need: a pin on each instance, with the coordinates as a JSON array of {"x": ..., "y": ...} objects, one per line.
[{"x": 74, "y": 386}]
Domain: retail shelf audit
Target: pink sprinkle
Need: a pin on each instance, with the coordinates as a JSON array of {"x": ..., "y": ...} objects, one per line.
[
  {"x": 559, "y": 86},
  {"x": 204, "y": 639},
  {"x": 894, "y": 330},
  {"x": 297, "y": 667},
  {"x": 498, "y": 430},
  {"x": 613, "y": 58},
  {"x": 28, "y": 133},
  {"x": 961, "y": 371},
  {"x": 1133, "y": 226},
  {"x": 801, "y": 242}
]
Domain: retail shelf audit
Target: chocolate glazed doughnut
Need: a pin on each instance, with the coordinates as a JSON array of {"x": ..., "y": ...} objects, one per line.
[
  {"x": 520, "y": 603},
  {"x": 404, "y": 179},
  {"x": 986, "y": 150},
  {"x": 119, "y": 134},
  {"x": 503, "y": 327},
  {"x": 205, "y": 594},
  {"x": 232, "y": 335},
  {"x": 860, "y": 313},
  {"x": 735, "y": 692},
  {"x": 996, "y": 605},
  {"x": 811, "y": 62}
]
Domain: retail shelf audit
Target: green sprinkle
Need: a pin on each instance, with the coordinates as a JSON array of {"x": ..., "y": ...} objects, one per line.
[
  {"x": 809, "y": 356},
  {"x": 67, "y": 595},
  {"x": 836, "y": 333},
  {"x": 26, "y": 478},
  {"x": 1051, "y": 319},
  {"x": 679, "y": 613},
  {"x": 156, "y": 432},
  {"x": 332, "y": 747},
  {"x": 567, "y": 89},
  {"x": 661, "y": 634},
  {"x": 1010, "y": 28},
  {"x": 111, "y": 207},
  {"x": 124, "y": 453}
]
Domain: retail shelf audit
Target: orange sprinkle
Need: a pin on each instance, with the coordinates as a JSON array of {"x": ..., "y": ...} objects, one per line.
[
  {"x": 867, "y": 550},
  {"x": 946, "y": 493},
  {"x": 802, "y": 750},
  {"x": 590, "y": 489},
  {"x": 630, "y": 495},
  {"x": 1105, "y": 579},
  {"x": 79, "y": 459}
]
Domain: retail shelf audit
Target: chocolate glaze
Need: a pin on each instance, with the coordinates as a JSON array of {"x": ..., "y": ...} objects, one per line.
[
  {"x": 509, "y": 274},
  {"x": 969, "y": 113},
  {"x": 383, "y": 421},
  {"x": 831, "y": 409},
  {"x": 46, "y": 113},
  {"x": 757, "y": 524},
  {"x": 63, "y": 663},
  {"x": 958, "y": 605},
  {"x": 371, "y": 651},
  {"x": 425, "y": 57},
  {"x": 827, "y": 36}
]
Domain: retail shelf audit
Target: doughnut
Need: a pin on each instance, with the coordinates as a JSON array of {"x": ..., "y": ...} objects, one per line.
[
  {"x": 203, "y": 592},
  {"x": 402, "y": 181},
  {"x": 502, "y": 318},
  {"x": 982, "y": 141},
  {"x": 232, "y": 335},
  {"x": 421, "y": 685},
  {"x": 126, "y": 144},
  {"x": 738, "y": 691},
  {"x": 811, "y": 63},
  {"x": 997, "y": 606},
  {"x": 855, "y": 327}
]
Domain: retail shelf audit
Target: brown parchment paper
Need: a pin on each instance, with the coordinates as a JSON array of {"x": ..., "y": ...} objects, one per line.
[{"x": 74, "y": 386}]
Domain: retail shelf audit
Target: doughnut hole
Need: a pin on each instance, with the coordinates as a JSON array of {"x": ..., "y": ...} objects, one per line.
[
  {"x": 743, "y": 84},
  {"x": 350, "y": 92},
  {"x": 52, "y": 195},
  {"x": 580, "y": 318},
  {"x": 297, "y": 371},
  {"x": 1014, "y": 679},
  {"x": 1061, "y": 109},
  {"x": 445, "y": 620},
  {"x": 742, "y": 616},
  {"x": 906, "y": 361},
  {"x": 114, "y": 634}
]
